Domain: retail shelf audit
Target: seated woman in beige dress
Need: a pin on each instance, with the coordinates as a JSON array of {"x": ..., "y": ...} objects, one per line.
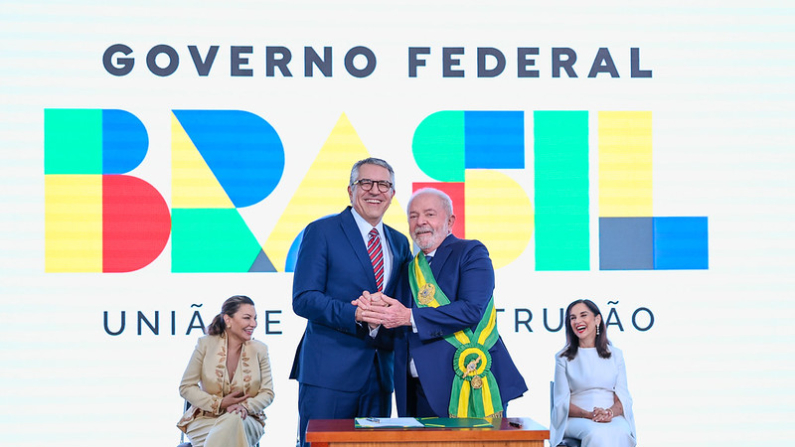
[{"x": 228, "y": 381}]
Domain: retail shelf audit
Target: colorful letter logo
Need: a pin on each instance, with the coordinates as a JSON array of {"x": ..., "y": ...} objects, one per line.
[
  {"x": 99, "y": 220},
  {"x": 461, "y": 150},
  {"x": 630, "y": 236},
  {"x": 96, "y": 219},
  {"x": 222, "y": 160}
]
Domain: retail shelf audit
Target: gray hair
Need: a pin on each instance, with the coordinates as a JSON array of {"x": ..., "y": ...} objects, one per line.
[
  {"x": 447, "y": 202},
  {"x": 372, "y": 161}
]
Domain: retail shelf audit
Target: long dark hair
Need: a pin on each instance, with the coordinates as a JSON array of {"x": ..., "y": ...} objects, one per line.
[
  {"x": 573, "y": 343},
  {"x": 230, "y": 307}
]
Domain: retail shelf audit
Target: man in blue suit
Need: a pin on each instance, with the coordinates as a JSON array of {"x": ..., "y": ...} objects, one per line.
[
  {"x": 444, "y": 311},
  {"x": 343, "y": 365}
]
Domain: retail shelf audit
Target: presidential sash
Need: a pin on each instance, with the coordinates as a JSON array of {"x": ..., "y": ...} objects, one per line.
[{"x": 474, "y": 392}]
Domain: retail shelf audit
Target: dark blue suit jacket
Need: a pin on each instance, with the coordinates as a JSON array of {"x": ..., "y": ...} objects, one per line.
[
  {"x": 333, "y": 268},
  {"x": 463, "y": 270}
]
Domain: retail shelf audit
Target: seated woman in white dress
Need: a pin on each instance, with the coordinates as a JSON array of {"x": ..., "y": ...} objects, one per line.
[
  {"x": 592, "y": 402},
  {"x": 228, "y": 381}
]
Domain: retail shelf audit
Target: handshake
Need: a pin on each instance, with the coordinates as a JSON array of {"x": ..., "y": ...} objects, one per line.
[{"x": 378, "y": 309}]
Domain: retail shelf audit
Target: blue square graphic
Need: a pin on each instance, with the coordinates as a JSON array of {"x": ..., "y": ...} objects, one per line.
[
  {"x": 494, "y": 140},
  {"x": 681, "y": 243}
]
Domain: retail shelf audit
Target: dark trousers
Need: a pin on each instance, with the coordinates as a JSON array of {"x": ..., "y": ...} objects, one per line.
[
  {"x": 416, "y": 403},
  {"x": 316, "y": 402}
]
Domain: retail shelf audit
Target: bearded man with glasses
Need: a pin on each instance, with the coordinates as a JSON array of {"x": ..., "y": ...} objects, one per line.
[{"x": 344, "y": 367}]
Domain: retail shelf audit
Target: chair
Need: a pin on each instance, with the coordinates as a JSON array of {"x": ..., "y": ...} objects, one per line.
[
  {"x": 566, "y": 442},
  {"x": 182, "y": 442}
]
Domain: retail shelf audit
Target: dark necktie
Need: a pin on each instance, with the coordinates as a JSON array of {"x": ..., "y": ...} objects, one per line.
[{"x": 377, "y": 258}]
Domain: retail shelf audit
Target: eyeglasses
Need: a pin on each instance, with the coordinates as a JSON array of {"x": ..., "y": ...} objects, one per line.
[{"x": 367, "y": 184}]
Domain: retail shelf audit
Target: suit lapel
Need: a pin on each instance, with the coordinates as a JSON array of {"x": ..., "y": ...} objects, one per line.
[
  {"x": 442, "y": 254},
  {"x": 354, "y": 237},
  {"x": 395, "y": 270}
]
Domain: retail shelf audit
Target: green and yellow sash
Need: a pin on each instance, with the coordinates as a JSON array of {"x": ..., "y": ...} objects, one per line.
[{"x": 475, "y": 392}]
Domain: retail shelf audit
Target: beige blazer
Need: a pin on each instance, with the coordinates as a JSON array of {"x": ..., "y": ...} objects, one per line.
[{"x": 206, "y": 379}]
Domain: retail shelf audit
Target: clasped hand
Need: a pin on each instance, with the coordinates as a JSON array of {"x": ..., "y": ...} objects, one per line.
[
  {"x": 231, "y": 403},
  {"x": 378, "y": 309},
  {"x": 602, "y": 415}
]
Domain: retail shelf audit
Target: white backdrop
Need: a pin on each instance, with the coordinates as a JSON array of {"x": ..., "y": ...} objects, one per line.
[{"x": 715, "y": 368}]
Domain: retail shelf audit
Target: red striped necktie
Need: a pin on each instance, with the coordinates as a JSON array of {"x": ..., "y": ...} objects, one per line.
[{"x": 377, "y": 258}]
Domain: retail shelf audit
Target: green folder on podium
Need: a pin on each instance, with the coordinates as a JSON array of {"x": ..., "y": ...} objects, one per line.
[{"x": 430, "y": 422}]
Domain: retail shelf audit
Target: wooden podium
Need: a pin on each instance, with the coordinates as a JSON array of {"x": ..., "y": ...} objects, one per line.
[{"x": 341, "y": 433}]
